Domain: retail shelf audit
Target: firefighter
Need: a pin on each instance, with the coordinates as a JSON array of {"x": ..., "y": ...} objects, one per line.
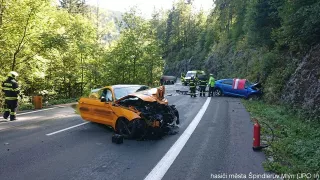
[
  {"x": 182, "y": 78},
  {"x": 196, "y": 80},
  {"x": 11, "y": 91},
  {"x": 161, "y": 81},
  {"x": 211, "y": 85},
  {"x": 192, "y": 86},
  {"x": 202, "y": 85}
]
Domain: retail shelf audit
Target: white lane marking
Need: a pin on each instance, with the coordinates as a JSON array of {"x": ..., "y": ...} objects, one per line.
[
  {"x": 67, "y": 128},
  {"x": 34, "y": 111},
  {"x": 164, "y": 164},
  {"x": 37, "y": 111}
]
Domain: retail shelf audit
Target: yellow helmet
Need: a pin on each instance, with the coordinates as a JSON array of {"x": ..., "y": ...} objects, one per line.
[{"x": 13, "y": 74}]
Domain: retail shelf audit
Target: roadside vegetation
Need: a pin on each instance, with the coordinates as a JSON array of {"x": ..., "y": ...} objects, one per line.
[
  {"x": 63, "y": 49},
  {"x": 258, "y": 40},
  {"x": 295, "y": 148}
]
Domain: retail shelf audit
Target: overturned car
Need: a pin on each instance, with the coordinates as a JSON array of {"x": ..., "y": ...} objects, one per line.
[{"x": 134, "y": 111}]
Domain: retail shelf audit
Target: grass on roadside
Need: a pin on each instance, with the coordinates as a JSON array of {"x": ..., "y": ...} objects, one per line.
[
  {"x": 26, "y": 105},
  {"x": 296, "y": 147},
  {"x": 61, "y": 101}
]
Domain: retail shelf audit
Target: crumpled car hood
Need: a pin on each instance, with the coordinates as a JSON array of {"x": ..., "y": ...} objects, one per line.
[
  {"x": 256, "y": 85},
  {"x": 149, "y": 95}
]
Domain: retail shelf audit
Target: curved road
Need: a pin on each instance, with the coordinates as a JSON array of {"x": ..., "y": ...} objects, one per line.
[{"x": 57, "y": 144}]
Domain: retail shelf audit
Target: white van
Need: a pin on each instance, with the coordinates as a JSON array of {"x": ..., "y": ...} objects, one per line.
[{"x": 190, "y": 74}]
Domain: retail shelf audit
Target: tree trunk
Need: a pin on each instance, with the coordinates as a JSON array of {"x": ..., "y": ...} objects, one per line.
[
  {"x": 13, "y": 66},
  {"x": 122, "y": 76},
  {"x": 81, "y": 74},
  {"x": 69, "y": 89},
  {"x": 151, "y": 73},
  {"x": 14, "y": 62},
  {"x": 1, "y": 11},
  {"x": 64, "y": 86},
  {"x": 134, "y": 70}
]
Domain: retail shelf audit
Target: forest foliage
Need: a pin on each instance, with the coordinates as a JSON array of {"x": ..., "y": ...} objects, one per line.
[
  {"x": 65, "y": 49},
  {"x": 259, "y": 40}
]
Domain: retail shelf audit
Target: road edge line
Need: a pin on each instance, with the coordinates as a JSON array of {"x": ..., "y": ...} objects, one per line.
[
  {"x": 34, "y": 111},
  {"x": 65, "y": 129},
  {"x": 167, "y": 160}
]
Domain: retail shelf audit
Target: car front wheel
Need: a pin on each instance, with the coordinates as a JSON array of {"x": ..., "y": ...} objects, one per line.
[
  {"x": 131, "y": 129},
  {"x": 217, "y": 92}
]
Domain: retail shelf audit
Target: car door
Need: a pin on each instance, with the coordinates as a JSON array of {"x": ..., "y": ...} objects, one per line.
[
  {"x": 227, "y": 87},
  {"x": 102, "y": 111},
  {"x": 242, "y": 92}
]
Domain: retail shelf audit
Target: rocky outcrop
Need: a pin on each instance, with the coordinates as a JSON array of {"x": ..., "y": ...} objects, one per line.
[
  {"x": 303, "y": 88},
  {"x": 179, "y": 67}
]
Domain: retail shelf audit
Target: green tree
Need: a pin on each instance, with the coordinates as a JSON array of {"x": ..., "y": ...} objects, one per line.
[
  {"x": 136, "y": 56},
  {"x": 74, "y": 6}
]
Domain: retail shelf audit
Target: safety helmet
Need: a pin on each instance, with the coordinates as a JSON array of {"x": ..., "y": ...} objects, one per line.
[
  {"x": 211, "y": 74},
  {"x": 13, "y": 74}
]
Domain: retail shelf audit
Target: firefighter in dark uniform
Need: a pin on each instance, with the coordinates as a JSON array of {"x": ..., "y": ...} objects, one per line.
[
  {"x": 11, "y": 91},
  {"x": 202, "y": 84},
  {"x": 192, "y": 86}
]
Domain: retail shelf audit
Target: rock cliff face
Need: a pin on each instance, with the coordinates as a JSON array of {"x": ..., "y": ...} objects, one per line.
[{"x": 303, "y": 88}]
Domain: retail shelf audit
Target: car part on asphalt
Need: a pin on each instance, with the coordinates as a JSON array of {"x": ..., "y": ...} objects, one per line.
[
  {"x": 117, "y": 139},
  {"x": 182, "y": 92}
]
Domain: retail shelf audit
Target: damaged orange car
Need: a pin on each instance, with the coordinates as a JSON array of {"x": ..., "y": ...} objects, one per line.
[{"x": 131, "y": 110}]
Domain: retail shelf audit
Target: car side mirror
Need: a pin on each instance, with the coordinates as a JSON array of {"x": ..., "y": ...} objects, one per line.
[{"x": 103, "y": 99}]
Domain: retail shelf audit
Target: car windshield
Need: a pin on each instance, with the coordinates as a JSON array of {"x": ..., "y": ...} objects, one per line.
[
  {"x": 124, "y": 91},
  {"x": 190, "y": 74}
]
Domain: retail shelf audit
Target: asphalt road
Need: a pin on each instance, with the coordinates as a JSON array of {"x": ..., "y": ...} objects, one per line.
[{"x": 220, "y": 143}]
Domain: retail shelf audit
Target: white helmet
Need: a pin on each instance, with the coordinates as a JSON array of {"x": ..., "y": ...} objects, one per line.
[{"x": 13, "y": 74}]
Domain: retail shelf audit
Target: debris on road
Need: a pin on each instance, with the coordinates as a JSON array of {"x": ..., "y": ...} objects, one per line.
[
  {"x": 183, "y": 92},
  {"x": 117, "y": 139},
  {"x": 158, "y": 133}
]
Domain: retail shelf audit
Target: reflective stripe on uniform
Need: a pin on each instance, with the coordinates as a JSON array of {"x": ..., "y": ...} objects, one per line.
[
  {"x": 7, "y": 89},
  {"x": 7, "y": 84},
  {"x": 10, "y": 89},
  {"x": 6, "y": 109},
  {"x": 11, "y": 98},
  {"x": 13, "y": 113}
]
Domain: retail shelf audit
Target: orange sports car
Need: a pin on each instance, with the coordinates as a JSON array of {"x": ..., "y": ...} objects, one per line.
[{"x": 131, "y": 110}]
